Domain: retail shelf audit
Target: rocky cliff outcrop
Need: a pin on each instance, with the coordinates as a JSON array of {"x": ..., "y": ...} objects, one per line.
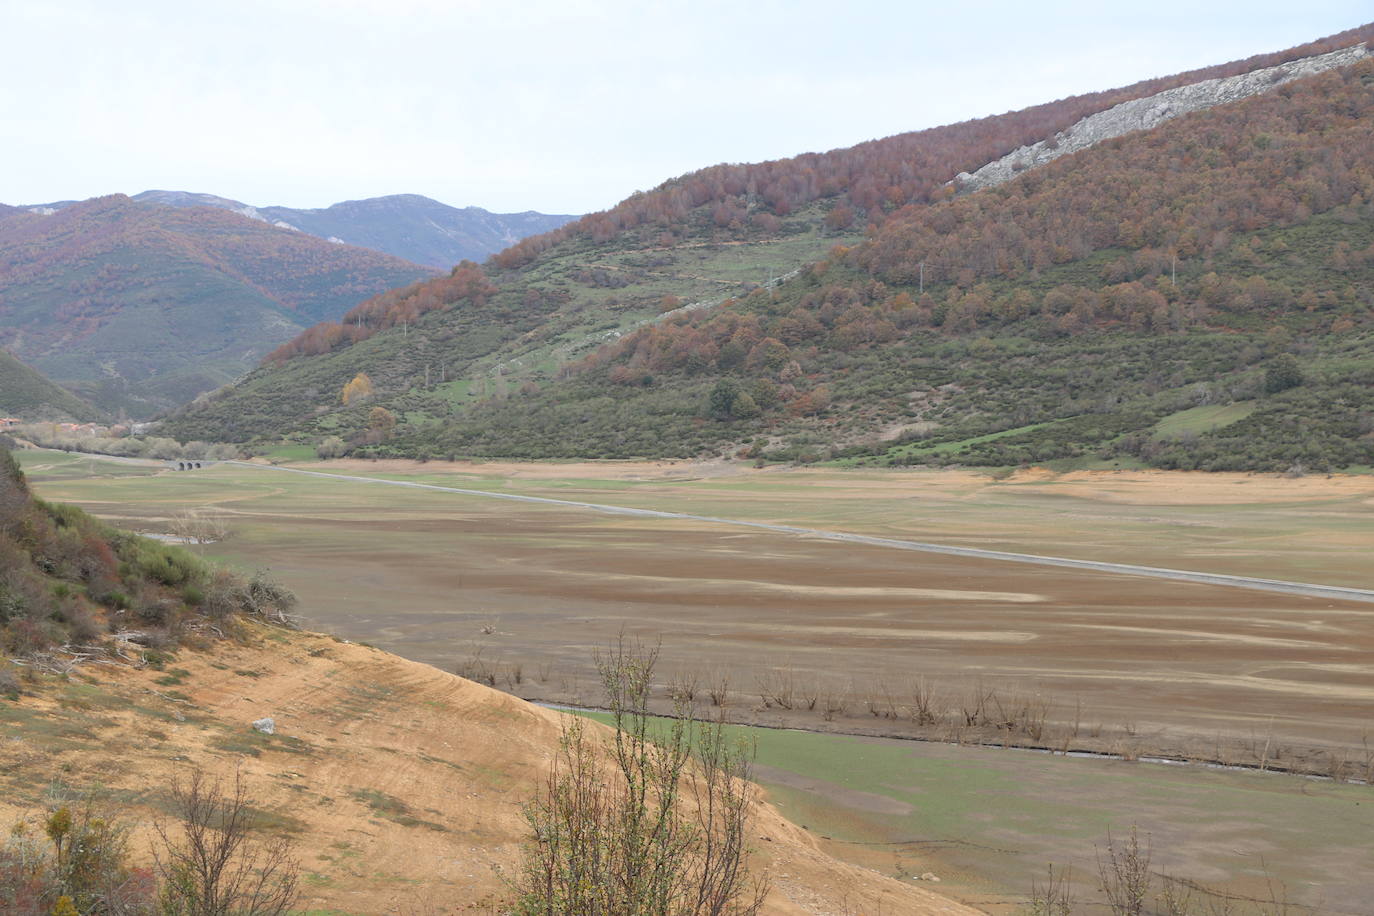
[{"x": 1148, "y": 112}]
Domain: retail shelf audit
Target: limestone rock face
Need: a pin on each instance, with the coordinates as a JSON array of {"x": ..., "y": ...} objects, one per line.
[{"x": 1143, "y": 114}]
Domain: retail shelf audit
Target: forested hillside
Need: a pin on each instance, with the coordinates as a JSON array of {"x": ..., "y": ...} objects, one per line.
[
  {"x": 141, "y": 307},
  {"x": 1196, "y": 296}
]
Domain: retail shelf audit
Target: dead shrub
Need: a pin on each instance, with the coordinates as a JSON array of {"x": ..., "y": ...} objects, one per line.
[
  {"x": 1055, "y": 896},
  {"x": 216, "y": 861}
]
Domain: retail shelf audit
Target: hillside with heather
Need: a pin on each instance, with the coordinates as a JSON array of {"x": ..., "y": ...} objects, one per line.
[
  {"x": 1193, "y": 294},
  {"x": 25, "y": 394},
  {"x": 139, "y": 308}
]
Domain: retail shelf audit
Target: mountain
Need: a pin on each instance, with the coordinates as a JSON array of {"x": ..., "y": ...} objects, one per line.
[
  {"x": 1189, "y": 287},
  {"x": 26, "y": 395},
  {"x": 142, "y": 307},
  {"x": 408, "y": 226}
]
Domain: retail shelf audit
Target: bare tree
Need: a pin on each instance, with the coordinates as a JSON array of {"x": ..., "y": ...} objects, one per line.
[
  {"x": 199, "y": 526},
  {"x": 216, "y": 862}
]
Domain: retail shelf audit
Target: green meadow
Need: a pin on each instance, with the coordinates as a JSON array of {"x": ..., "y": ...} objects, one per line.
[{"x": 988, "y": 821}]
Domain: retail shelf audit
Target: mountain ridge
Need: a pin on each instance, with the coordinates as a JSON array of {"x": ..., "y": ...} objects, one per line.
[{"x": 408, "y": 226}]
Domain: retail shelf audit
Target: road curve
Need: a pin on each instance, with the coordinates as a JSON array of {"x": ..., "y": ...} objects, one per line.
[{"x": 1305, "y": 589}]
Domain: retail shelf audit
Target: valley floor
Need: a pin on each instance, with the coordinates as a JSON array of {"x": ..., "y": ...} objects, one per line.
[{"x": 837, "y": 636}]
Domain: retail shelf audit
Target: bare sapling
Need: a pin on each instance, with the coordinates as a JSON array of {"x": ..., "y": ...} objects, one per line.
[
  {"x": 833, "y": 702},
  {"x": 1123, "y": 870},
  {"x": 1275, "y": 902},
  {"x": 654, "y": 819},
  {"x": 973, "y": 708},
  {"x": 1175, "y": 897},
  {"x": 199, "y": 526},
  {"x": 1055, "y": 896},
  {"x": 683, "y": 687},
  {"x": 777, "y": 687},
  {"x": 720, "y": 688}
]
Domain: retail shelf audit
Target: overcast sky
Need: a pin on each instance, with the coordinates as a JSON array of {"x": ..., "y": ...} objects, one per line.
[{"x": 554, "y": 105}]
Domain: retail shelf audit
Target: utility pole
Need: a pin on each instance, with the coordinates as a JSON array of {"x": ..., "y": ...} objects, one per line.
[
  {"x": 923, "y": 277},
  {"x": 1173, "y": 270}
]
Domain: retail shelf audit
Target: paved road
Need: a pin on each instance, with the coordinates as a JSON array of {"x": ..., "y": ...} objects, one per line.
[{"x": 1305, "y": 589}]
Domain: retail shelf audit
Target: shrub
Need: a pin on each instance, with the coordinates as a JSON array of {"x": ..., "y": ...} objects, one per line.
[
  {"x": 1283, "y": 373},
  {"x": 84, "y": 863},
  {"x": 10, "y": 688}
]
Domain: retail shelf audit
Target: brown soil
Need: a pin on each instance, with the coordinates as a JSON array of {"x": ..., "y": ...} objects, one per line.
[
  {"x": 1177, "y": 662},
  {"x": 401, "y": 784}
]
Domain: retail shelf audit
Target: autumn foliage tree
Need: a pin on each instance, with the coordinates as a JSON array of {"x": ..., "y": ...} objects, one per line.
[
  {"x": 381, "y": 421},
  {"x": 359, "y": 388}
]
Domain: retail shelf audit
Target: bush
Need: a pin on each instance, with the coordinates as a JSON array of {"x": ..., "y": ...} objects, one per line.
[
  {"x": 84, "y": 863},
  {"x": 73, "y": 859},
  {"x": 1283, "y": 373},
  {"x": 10, "y": 687}
]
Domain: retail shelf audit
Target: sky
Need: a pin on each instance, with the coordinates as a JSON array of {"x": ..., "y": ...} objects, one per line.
[{"x": 562, "y": 106}]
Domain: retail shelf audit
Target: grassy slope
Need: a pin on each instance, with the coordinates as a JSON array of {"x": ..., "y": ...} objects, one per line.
[
  {"x": 401, "y": 784},
  {"x": 26, "y": 394},
  {"x": 469, "y": 354},
  {"x": 546, "y": 317}
]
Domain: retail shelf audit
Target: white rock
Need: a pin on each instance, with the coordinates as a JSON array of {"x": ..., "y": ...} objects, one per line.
[{"x": 1142, "y": 114}]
